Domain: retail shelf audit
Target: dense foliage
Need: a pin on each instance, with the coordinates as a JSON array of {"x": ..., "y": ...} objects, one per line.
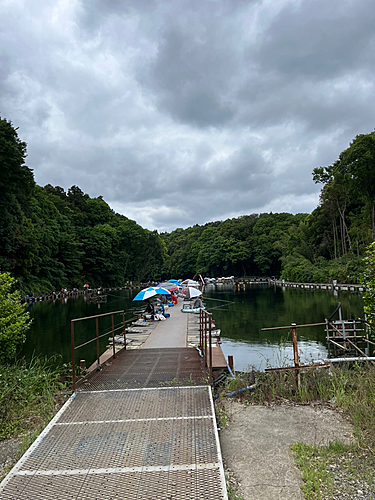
[
  {"x": 368, "y": 279},
  {"x": 327, "y": 244},
  {"x": 52, "y": 239},
  {"x": 14, "y": 319}
]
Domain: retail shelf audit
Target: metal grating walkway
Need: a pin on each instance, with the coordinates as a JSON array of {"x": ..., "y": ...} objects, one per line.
[
  {"x": 131, "y": 444},
  {"x": 149, "y": 368}
]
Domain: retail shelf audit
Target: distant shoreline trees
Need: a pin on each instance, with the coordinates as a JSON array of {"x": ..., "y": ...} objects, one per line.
[{"x": 52, "y": 239}]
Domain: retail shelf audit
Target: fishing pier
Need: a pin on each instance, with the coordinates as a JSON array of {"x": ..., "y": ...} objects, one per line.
[{"x": 141, "y": 426}]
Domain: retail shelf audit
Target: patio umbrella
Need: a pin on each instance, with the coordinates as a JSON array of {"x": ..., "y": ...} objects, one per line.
[
  {"x": 190, "y": 283},
  {"x": 191, "y": 292},
  {"x": 150, "y": 292},
  {"x": 168, "y": 285},
  {"x": 86, "y": 286}
]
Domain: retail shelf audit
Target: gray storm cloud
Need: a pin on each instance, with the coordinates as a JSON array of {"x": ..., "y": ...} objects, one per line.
[{"x": 185, "y": 112}]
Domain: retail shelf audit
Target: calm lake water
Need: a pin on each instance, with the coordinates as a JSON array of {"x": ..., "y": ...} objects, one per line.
[{"x": 239, "y": 314}]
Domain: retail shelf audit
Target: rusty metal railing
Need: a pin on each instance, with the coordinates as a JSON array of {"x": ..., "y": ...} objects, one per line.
[
  {"x": 96, "y": 338},
  {"x": 205, "y": 339},
  {"x": 297, "y": 367}
]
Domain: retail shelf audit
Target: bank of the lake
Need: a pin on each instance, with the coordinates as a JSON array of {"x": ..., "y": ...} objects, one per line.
[
  {"x": 245, "y": 312},
  {"x": 240, "y": 314}
]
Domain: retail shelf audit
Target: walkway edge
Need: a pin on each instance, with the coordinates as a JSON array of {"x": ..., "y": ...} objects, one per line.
[
  {"x": 33, "y": 446},
  {"x": 221, "y": 467}
]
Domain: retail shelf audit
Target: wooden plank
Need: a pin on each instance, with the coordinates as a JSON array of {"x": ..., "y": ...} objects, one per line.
[{"x": 218, "y": 358}]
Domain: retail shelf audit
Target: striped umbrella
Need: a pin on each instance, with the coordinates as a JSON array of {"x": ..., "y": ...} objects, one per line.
[{"x": 150, "y": 292}]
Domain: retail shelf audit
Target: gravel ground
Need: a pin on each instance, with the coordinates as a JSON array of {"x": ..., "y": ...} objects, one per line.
[{"x": 8, "y": 454}]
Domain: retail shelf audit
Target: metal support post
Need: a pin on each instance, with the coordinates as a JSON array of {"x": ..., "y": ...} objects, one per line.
[
  {"x": 113, "y": 336},
  {"x": 73, "y": 357},
  {"x": 97, "y": 340},
  {"x": 295, "y": 353}
]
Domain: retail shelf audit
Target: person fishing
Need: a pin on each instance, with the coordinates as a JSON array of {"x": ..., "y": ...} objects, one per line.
[
  {"x": 149, "y": 308},
  {"x": 198, "y": 303}
]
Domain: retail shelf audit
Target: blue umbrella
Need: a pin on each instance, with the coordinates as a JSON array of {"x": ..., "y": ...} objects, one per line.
[
  {"x": 173, "y": 281},
  {"x": 150, "y": 292}
]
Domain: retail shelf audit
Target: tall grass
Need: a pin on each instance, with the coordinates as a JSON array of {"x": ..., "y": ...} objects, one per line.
[{"x": 27, "y": 395}]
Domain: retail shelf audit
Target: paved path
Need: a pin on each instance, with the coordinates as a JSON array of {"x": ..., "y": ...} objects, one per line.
[
  {"x": 256, "y": 446},
  {"x": 169, "y": 333}
]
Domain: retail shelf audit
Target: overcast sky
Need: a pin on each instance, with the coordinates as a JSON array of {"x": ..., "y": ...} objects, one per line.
[{"x": 187, "y": 111}]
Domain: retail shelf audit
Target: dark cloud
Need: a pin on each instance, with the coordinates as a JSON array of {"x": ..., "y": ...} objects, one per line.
[{"x": 185, "y": 112}]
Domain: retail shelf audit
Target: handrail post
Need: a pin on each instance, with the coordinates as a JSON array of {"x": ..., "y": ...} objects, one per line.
[
  {"x": 205, "y": 337},
  {"x": 200, "y": 331},
  {"x": 97, "y": 340},
  {"x": 113, "y": 337},
  {"x": 210, "y": 344},
  {"x": 73, "y": 357},
  {"x": 123, "y": 325},
  {"x": 295, "y": 353}
]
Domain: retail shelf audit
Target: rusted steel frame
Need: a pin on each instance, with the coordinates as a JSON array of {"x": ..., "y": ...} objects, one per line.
[
  {"x": 350, "y": 336},
  {"x": 295, "y": 352},
  {"x": 73, "y": 357},
  {"x": 113, "y": 337},
  {"x": 98, "y": 316},
  {"x": 200, "y": 329},
  {"x": 347, "y": 340},
  {"x": 300, "y": 367},
  {"x": 210, "y": 344},
  {"x": 288, "y": 327},
  {"x": 100, "y": 336},
  {"x": 205, "y": 337},
  {"x": 103, "y": 334},
  {"x": 97, "y": 339},
  {"x": 124, "y": 329},
  {"x": 339, "y": 345},
  {"x": 352, "y": 329}
]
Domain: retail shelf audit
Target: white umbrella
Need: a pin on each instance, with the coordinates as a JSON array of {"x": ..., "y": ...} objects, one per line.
[
  {"x": 190, "y": 283},
  {"x": 191, "y": 292}
]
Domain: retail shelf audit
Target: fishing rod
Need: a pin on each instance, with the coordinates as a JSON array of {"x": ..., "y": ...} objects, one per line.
[{"x": 219, "y": 300}]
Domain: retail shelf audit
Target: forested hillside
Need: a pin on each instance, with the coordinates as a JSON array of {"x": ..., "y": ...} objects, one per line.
[
  {"x": 327, "y": 244},
  {"x": 52, "y": 239}
]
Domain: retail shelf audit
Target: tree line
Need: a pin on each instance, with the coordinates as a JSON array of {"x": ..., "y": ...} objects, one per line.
[{"x": 52, "y": 239}]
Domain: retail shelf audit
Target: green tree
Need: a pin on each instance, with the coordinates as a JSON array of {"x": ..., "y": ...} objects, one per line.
[
  {"x": 14, "y": 319},
  {"x": 349, "y": 184},
  {"x": 368, "y": 280},
  {"x": 16, "y": 184}
]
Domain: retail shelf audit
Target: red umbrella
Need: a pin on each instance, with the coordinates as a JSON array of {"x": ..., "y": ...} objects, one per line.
[
  {"x": 86, "y": 286},
  {"x": 168, "y": 286}
]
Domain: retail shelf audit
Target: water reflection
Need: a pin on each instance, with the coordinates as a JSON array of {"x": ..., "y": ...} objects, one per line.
[
  {"x": 259, "y": 306},
  {"x": 239, "y": 314},
  {"x": 249, "y": 355}
]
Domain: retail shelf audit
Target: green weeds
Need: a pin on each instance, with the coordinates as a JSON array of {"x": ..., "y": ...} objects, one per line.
[
  {"x": 28, "y": 396},
  {"x": 349, "y": 388},
  {"x": 231, "y": 490},
  {"x": 326, "y": 469}
]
